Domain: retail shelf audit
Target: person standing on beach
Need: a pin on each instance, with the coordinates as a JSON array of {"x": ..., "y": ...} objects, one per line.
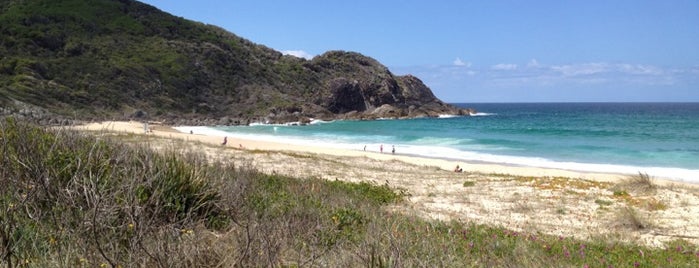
[
  {"x": 365, "y": 148},
  {"x": 225, "y": 140},
  {"x": 381, "y": 148},
  {"x": 393, "y": 150}
]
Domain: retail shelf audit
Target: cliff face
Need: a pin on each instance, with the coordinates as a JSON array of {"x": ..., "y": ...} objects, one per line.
[{"x": 97, "y": 59}]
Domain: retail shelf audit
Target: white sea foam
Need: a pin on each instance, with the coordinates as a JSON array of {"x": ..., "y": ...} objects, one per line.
[
  {"x": 448, "y": 115},
  {"x": 680, "y": 174},
  {"x": 318, "y": 121},
  {"x": 483, "y": 114},
  {"x": 443, "y": 151}
]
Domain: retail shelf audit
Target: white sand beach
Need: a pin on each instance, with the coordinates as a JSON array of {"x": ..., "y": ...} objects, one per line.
[{"x": 527, "y": 199}]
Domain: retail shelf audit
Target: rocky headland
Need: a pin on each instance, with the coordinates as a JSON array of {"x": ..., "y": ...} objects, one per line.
[{"x": 121, "y": 59}]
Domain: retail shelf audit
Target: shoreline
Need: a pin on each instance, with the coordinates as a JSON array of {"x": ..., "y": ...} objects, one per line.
[
  {"x": 447, "y": 164},
  {"x": 537, "y": 200},
  {"x": 481, "y": 166}
]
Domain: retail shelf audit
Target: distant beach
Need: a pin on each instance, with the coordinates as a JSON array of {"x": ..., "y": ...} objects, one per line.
[
  {"x": 659, "y": 139},
  {"x": 531, "y": 199}
]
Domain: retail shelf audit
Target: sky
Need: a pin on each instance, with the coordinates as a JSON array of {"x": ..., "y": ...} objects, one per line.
[{"x": 488, "y": 51}]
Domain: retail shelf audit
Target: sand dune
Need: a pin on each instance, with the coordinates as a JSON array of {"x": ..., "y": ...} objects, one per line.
[{"x": 551, "y": 201}]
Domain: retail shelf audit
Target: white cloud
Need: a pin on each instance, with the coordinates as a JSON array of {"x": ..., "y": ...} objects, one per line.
[
  {"x": 576, "y": 75},
  {"x": 504, "y": 67},
  {"x": 298, "y": 54},
  {"x": 533, "y": 64},
  {"x": 639, "y": 69},
  {"x": 581, "y": 69},
  {"x": 459, "y": 62}
]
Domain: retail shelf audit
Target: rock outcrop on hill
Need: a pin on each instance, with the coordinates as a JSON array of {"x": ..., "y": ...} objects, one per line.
[{"x": 118, "y": 59}]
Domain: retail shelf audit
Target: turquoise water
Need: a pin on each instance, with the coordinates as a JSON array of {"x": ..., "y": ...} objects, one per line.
[{"x": 661, "y": 139}]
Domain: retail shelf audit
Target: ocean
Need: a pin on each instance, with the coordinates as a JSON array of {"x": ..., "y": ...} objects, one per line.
[{"x": 660, "y": 139}]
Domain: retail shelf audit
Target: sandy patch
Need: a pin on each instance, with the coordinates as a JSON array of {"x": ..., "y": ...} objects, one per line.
[{"x": 534, "y": 200}]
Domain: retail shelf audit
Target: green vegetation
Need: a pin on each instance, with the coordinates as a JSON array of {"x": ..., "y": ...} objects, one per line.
[
  {"x": 96, "y": 59},
  {"x": 102, "y": 56},
  {"x": 71, "y": 200},
  {"x": 603, "y": 203}
]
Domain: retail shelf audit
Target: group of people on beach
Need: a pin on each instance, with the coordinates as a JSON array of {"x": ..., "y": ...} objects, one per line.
[{"x": 393, "y": 148}]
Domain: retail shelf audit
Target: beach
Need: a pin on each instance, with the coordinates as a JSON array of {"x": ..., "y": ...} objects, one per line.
[{"x": 525, "y": 199}]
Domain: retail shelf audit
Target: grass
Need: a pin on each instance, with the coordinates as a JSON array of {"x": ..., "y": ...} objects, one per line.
[
  {"x": 70, "y": 200},
  {"x": 632, "y": 219},
  {"x": 641, "y": 183},
  {"x": 603, "y": 203}
]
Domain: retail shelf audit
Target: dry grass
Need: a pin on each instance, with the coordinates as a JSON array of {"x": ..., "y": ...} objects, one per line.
[
  {"x": 630, "y": 218},
  {"x": 641, "y": 183},
  {"x": 104, "y": 212}
]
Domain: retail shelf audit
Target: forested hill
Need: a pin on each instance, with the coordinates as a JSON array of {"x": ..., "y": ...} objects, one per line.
[{"x": 106, "y": 59}]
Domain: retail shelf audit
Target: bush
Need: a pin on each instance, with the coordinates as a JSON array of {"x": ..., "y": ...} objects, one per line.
[
  {"x": 69, "y": 200},
  {"x": 99, "y": 198}
]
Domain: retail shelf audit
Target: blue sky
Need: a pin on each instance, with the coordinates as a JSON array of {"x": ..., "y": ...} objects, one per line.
[{"x": 488, "y": 51}]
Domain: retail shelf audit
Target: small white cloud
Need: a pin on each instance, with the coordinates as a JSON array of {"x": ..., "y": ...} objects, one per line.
[
  {"x": 533, "y": 64},
  {"x": 504, "y": 67},
  {"x": 459, "y": 62},
  {"x": 298, "y": 54},
  {"x": 582, "y": 69},
  {"x": 639, "y": 69}
]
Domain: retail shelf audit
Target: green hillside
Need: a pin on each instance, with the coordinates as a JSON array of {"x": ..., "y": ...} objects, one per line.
[{"x": 94, "y": 59}]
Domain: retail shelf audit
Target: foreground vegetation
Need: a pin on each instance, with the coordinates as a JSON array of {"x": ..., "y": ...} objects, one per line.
[{"x": 70, "y": 200}]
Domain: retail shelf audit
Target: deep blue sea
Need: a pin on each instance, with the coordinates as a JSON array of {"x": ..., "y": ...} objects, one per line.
[{"x": 661, "y": 139}]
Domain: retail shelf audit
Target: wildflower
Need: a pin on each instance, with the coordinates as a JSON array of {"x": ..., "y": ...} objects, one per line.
[
  {"x": 130, "y": 226},
  {"x": 636, "y": 264}
]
